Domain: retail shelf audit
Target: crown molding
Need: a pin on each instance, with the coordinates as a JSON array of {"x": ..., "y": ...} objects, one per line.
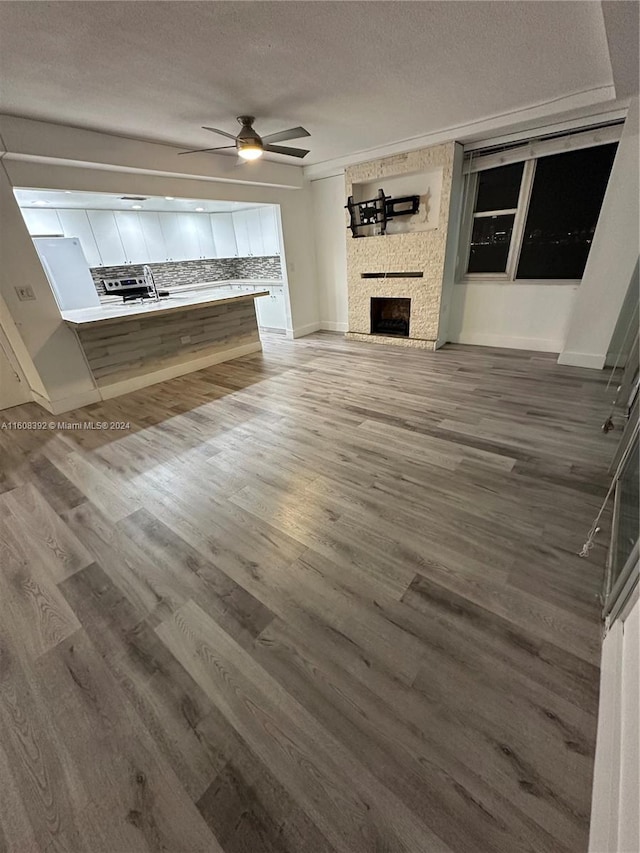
[{"x": 574, "y": 109}]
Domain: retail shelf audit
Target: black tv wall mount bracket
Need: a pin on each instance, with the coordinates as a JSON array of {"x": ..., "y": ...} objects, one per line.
[{"x": 379, "y": 210}]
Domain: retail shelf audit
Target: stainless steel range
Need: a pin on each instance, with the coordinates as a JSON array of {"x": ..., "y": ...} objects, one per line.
[{"x": 128, "y": 288}]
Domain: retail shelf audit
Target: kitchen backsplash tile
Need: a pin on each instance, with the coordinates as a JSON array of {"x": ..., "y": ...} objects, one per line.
[{"x": 186, "y": 273}]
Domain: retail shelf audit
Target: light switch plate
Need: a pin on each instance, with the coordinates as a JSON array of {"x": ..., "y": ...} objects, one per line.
[{"x": 25, "y": 293}]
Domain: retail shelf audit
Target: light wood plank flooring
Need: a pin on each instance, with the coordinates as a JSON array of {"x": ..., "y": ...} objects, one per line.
[{"x": 324, "y": 599}]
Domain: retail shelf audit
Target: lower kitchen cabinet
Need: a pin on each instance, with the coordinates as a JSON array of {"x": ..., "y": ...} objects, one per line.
[{"x": 271, "y": 310}]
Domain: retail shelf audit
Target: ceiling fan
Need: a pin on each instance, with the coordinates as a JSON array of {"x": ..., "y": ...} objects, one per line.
[{"x": 250, "y": 145}]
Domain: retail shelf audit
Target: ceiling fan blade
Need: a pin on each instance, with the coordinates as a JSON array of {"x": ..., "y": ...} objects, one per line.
[
  {"x": 284, "y": 149},
  {"x": 222, "y": 132},
  {"x": 283, "y": 135},
  {"x": 198, "y": 150}
]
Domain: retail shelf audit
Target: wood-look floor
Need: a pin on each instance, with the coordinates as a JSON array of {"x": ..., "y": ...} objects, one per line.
[{"x": 324, "y": 599}]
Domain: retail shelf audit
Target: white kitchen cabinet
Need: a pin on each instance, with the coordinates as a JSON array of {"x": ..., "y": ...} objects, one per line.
[
  {"x": 196, "y": 235},
  {"x": 241, "y": 227},
  {"x": 42, "y": 223},
  {"x": 251, "y": 227},
  {"x": 186, "y": 236},
  {"x": 131, "y": 234},
  {"x": 172, "y": 234},
  {"x": 224, "y": 235},
  {"x": 153, "y": 237},
  {"x": 187, "y": 224},
  {"x": 271, "y": 311},
  {"x": 256, "y": 245},
  {"x": 269, "y": 229},
  {"x": 75, "y": 223},
  {"x": 105, "y": 230},
  {"x": 205, "y": 236}
]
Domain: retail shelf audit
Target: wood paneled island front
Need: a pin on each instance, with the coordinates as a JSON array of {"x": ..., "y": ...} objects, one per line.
[{"x": 131, "y": 346}]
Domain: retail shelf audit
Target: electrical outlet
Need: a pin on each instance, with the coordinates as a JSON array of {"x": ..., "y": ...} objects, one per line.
[
  {"x": 185, "y": 339},
  {"x": 25, "y": 293}
]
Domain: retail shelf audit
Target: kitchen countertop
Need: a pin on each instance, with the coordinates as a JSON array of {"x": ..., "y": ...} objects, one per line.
[{"x": 118, "y": 312}]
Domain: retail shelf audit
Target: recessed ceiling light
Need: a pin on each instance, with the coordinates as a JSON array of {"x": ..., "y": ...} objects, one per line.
[
  {"x": 40, "y": 202},
  {"x": 199, "y": 209},
  {"x": 136, "y": 207},
  {"x": 67, "y": 192},
  {"x": 169, "y": 198}
]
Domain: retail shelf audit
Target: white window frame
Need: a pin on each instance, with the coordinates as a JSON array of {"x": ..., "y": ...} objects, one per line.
[{"x": 529, "y": 155}]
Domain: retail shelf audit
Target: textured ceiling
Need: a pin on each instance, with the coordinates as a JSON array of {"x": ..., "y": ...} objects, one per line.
[{"x": 355, "y": 74}]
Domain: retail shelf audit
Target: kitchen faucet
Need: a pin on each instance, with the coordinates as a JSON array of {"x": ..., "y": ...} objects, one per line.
[{"x": 150, "y": 281}]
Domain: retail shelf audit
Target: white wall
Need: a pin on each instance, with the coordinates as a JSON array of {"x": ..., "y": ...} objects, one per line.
[
  {"x": 612, "y": 259},
  {"x": 615, "y": 824},
  {"x": 509, "y": 314},
  {"x": 14, "y": 389},
  {"x": 328, "y": 200},
  {"x": 10, "y": 331},
  {"x": 61, "y": 378}
]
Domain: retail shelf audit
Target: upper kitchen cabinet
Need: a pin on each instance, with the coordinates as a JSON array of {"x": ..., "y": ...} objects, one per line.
[
  {"x": 256, "y": 244},
  {"x": 224, "y": 235},
  {"x": 205, "y": 236},
  {"x": 256, "y": 232},
  {"x": 42, "y": 223},
  {"x": 197, "y": 236},
  {"x": 116, "y": 238},
  {"x": 269, "y": 230},
  {"x": 132, "y": 237},
  {"x": 172, "y": 235},
  {"x": 153, "y": 237},
  {"x": 75, "y": 223},
  {"x": 241, "y": 228},
  {"x": 105, "y": 230},
  {"x": 187, "y": 236}
]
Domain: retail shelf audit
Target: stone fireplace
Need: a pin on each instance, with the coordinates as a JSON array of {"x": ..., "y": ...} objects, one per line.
[
  {"x": 395, "y": 281},
  {"x": 390, "y": 316}
]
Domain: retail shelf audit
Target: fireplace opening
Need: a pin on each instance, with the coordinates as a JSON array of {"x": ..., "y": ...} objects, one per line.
[{"x": 390, "y": 316}]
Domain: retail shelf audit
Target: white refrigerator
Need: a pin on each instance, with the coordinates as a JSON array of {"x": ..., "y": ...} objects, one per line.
[{"x": 68, "y": 272}]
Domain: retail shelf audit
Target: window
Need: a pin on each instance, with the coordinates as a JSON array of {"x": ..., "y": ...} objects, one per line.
[{"x": 535, "y": 219}]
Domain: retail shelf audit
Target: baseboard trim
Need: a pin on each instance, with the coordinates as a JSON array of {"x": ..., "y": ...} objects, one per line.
[
  {"x": 331, "y": 326},
  {"x": 67, "y": 404},
  {"x": 116, "y": 389},
  {"x": 582, "y": 359},
  {"x": 481, "y": 339},
  {"x": 301, "y": 331}
]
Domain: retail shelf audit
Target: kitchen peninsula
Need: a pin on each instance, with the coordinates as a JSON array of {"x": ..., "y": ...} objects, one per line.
[{"x": 130, "y": 346}]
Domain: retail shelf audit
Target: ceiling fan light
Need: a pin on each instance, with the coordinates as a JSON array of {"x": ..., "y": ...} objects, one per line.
[{"x": 250, "y": 152}]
